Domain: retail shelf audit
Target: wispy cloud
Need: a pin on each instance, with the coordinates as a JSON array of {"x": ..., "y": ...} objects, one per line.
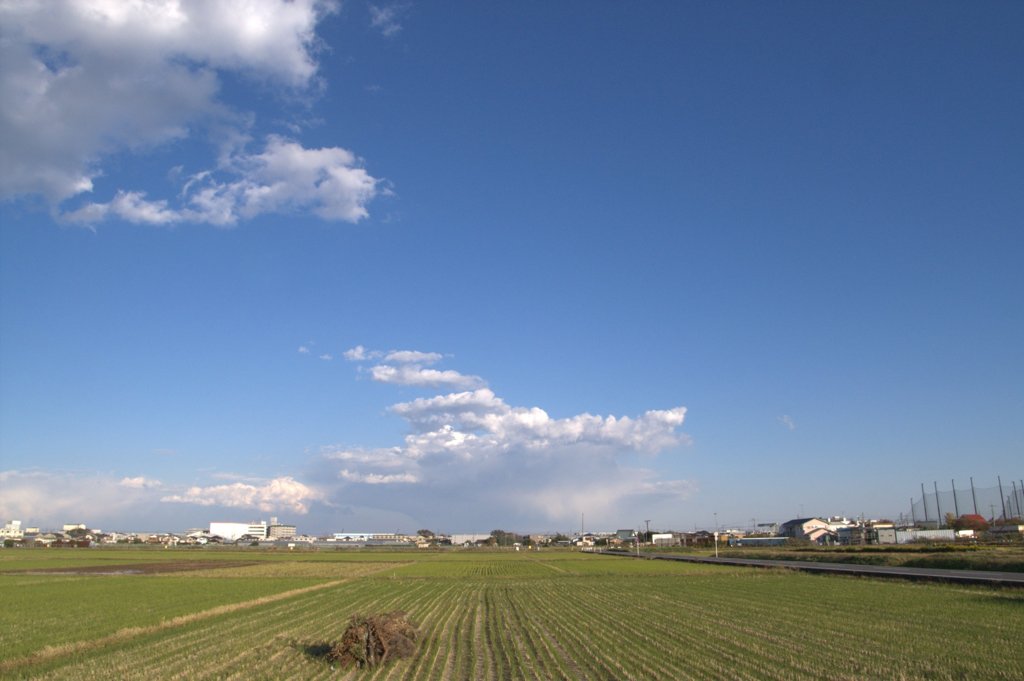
[
  {"x": 386, "y": 18},
  {"x": 788, "y": 422},
  {"x": 360, "y": 354},
  {"x": 376, "y": 478},
  {"x": 413, "y": 357},
  {"x": 303, "y": 350},
  {"x": 327, "y": 357},
  {"x": 416, "y": 375},
  {"x": 412, "y": 368},
  {"x": 140, "y": 482}
]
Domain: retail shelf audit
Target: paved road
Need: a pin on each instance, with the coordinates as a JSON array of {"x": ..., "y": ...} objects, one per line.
[{"x": 928, "y": 574}]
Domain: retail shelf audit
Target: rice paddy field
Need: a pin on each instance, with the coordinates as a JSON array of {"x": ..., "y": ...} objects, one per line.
[{"x": 226, "y": 614}]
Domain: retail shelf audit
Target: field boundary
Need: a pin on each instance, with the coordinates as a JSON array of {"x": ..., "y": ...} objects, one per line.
[{"x": 988, "y": 577}]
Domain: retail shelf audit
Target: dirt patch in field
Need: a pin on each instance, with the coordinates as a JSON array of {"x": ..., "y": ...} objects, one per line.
[{"x": 138, "y": 568}]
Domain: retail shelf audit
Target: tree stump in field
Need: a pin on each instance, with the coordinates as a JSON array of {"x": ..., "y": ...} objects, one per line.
[{"x": 374, "y": 640}]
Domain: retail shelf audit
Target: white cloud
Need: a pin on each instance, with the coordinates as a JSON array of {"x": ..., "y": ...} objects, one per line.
[
  {"x": 140, "y": 483},
  {"x": 415, "y": 375},
  {"x": 327, "y": 357},
  {"x": 376, "y": 478},
  {"x": 285, "y": 177},
  {"x": 787, "y": 422},
  {"x": 357, "y": 354},
  {"x": 81, "y": 80},
  {"x": 413, "y": 357},
  {"x": 378, "y": 458},
  {"x": 129, "y": 206},
  {"x": 385, "y": 18},
  {"x": 84, "y": 78},
  {"x": 473, "y": 451},
  {"x": 49, "y": 499},
  {"x": 410, "y": 367},
  {"x": 491, "y": 423},
  {"x": 303, "y": 350},
  {"x": 284, "y": 493}
]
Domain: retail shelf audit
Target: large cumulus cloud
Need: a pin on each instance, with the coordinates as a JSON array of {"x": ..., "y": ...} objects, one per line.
[
  {"x": 470, "y": 449},
  {"x": 82, "y": 80}
]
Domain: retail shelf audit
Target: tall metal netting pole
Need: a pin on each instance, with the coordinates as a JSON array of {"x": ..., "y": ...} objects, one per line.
[{"x": 1002, "y": 499}]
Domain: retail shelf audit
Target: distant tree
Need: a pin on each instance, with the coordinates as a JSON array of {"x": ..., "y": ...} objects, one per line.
[
  {"x": 425, "y": 533},
  {"x": 970, "y": 521},
  {"x": 559, "y": 537}
]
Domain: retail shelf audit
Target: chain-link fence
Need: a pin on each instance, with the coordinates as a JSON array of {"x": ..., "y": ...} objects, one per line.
[{"x": 992, "y": 503}]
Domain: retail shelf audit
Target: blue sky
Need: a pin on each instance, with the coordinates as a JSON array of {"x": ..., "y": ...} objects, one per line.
[{"x": 372, "y": 266}]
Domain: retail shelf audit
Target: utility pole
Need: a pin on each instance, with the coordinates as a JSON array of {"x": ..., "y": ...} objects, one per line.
[
  {"x": 938, "y": 509},
  {"x": 648, "y": 537},
  {"x": 924, "y": 502},
  {"x": 974, "y": 498},
  {"x": 956, "y": 506}
]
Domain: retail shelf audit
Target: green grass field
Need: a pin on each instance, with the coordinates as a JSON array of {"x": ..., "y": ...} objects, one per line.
[{"x": 487, "y": 615}]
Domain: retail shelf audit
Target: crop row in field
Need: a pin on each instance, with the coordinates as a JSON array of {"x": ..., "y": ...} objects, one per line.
[
  {"x": 57, "y": 610},
  {"x": 556, "y": 615}
]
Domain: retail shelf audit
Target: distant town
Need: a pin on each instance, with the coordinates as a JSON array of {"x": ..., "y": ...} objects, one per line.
[{"x": 831, "y": 530}]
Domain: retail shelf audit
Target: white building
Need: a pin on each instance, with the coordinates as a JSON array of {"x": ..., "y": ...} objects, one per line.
[
  {"x": 459, "y": 539},
  {"x": 232, "y": 531},
  {"x": 12, "y": 530}
]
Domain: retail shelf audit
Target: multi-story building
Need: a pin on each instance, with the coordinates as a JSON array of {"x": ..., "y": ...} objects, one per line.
[
  {"x": 278, "y": 531},
  {"x": 12, "y": 530},
  {"x": 234, "y": 531}
]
